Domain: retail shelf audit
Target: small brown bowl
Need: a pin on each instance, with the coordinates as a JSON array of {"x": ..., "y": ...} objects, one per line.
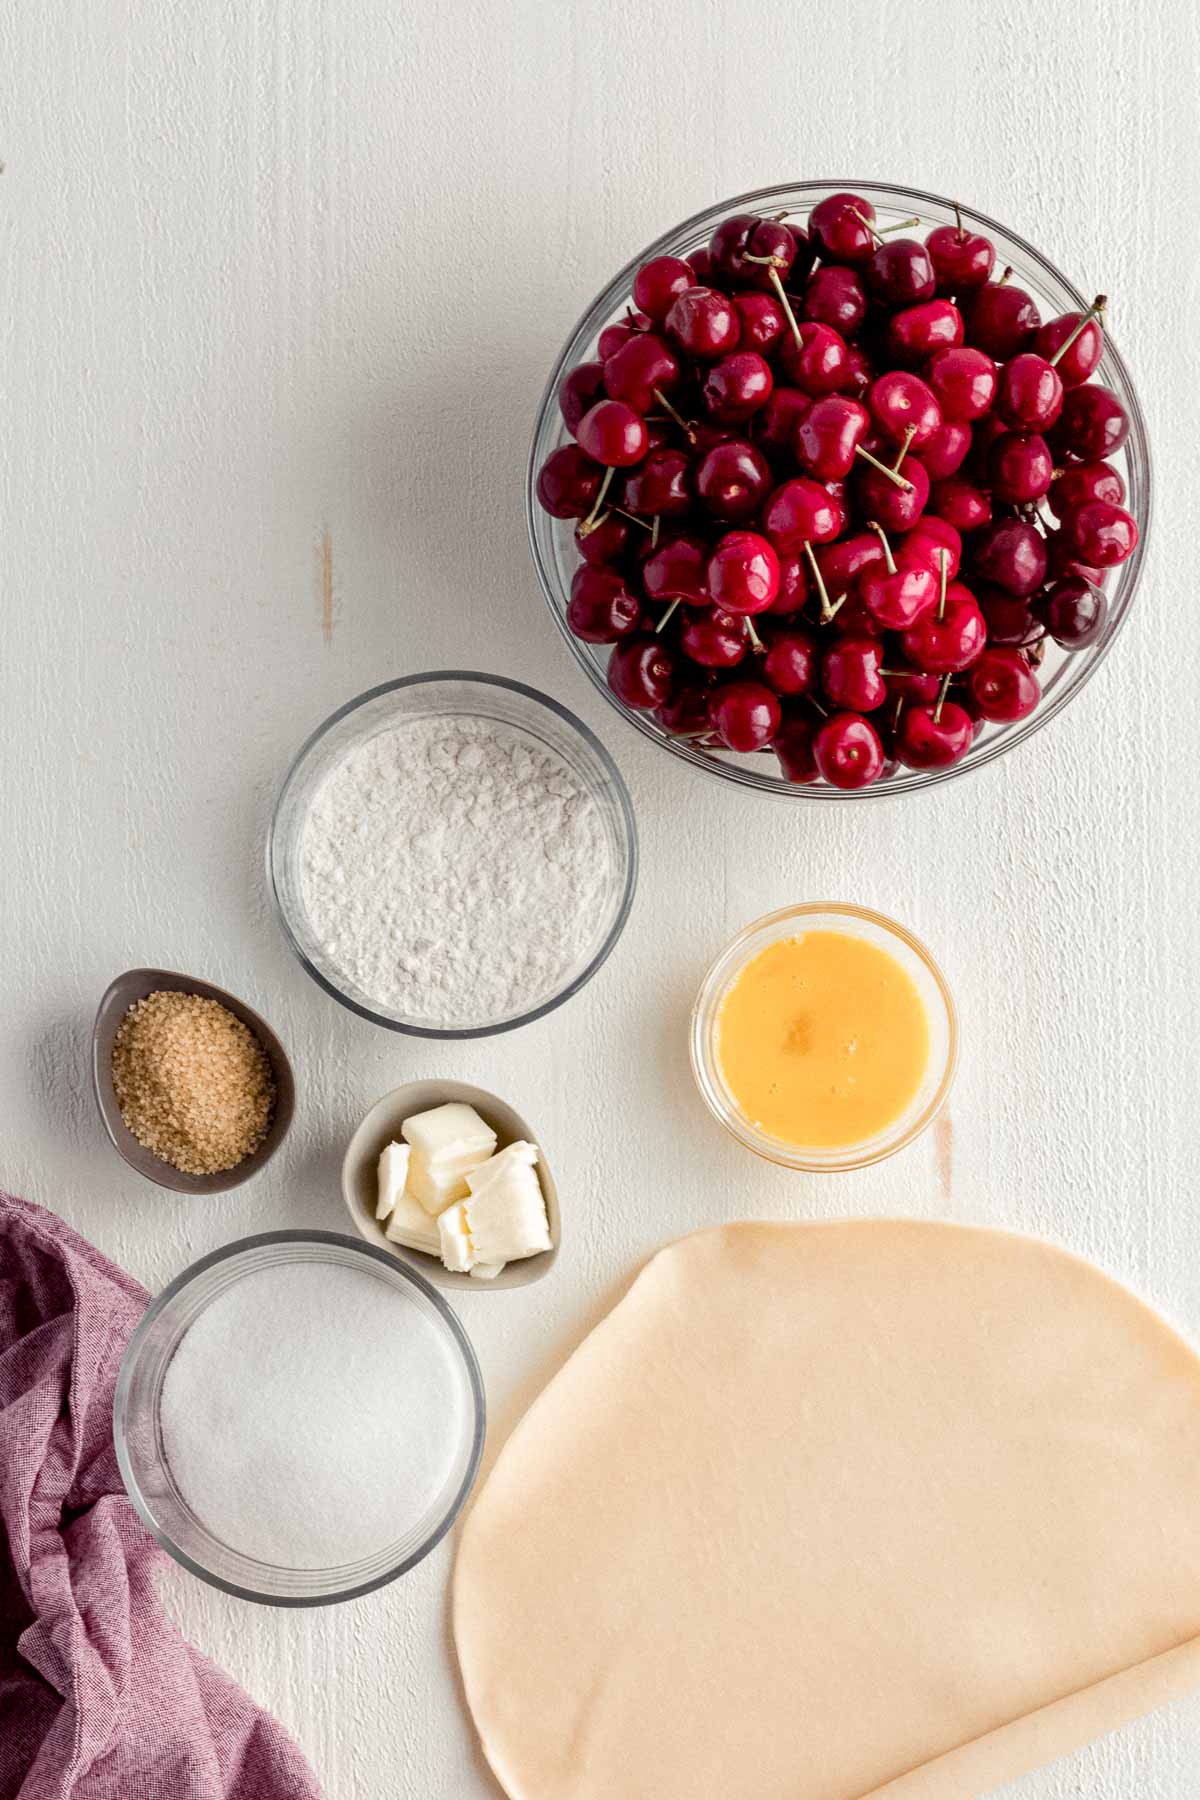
[{"x": 123, "y": 993}]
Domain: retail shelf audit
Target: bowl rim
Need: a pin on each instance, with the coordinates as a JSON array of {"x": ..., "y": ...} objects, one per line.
[
  {"x": 714, "y": 985},
  {"x": 624, "y": 806},
  {"x": 225, "y": 1253},
  {"x": 823, "y": 793},
  {"x": 530, "y": 1269},
  {"x": 122, "y": 992}
]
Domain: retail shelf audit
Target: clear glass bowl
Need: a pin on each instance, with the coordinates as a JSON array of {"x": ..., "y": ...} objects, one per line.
[
  {"x": 886, "y": 935},
  {"x": 450, "y": 693},
  {"x": 1062, "y": 675},
  {"x": 137, "y": 1427}
]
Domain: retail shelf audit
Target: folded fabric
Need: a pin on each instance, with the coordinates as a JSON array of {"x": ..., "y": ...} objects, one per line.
[{"x": 100, "y": 1697}]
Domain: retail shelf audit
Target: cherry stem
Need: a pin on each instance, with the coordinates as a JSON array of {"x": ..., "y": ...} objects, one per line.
[
  {"x": 632, "y": 517},
  {"x": 786, "y": 304},
  {"x": 677, "y": 601},
  {"x": 689, "y": 431},
  {"x": 944, "y": 560},
  {"x": 863, "y": 220},
  {"x": 900, "y": 225},
  {"x": 958, "y": 219},
  {"x": 654, "y": 531},
  {"x": 827, "y": 611},
  {"x": 941, "y": 699},
  {"x": 1005, "y": 277},
  {"x": 588, "y": 526},
  {"x": 768, "y": 262},
  {"x": 837, "y": 606},
  {"x": 909, "y": 435},
  {"x": 887, "y": 548},
  {"x": 817, "y": 704},
  {"x": 590, "y": 522},
  {"x": 1094, "y": 311},
  {"x": 756, "y": 643},
  {"x": 901, "y": 481}
]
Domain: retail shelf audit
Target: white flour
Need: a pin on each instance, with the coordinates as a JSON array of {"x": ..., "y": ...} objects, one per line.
[
  {"x": 311, "y": 1415},
  {"x": 454, "y": 870}
]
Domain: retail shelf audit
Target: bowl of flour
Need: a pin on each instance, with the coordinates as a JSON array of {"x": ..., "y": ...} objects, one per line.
[{"x": 452, "y": 854}]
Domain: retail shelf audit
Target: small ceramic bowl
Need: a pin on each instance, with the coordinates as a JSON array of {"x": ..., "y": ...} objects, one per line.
[
  {"x": 382, "y": 1127},
  {"x": 135, "y": 985}
]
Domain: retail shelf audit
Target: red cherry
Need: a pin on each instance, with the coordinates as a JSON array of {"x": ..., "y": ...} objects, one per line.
[
  {"x": 685, "y": 712},
  {"x": 850, "y": 673},
  {"x": 793, "y": 584},
  {"x": 712, "y": 638},
  {"x": 701, "y": 263},
  {"x": 895, "y": 508},
  {"x": 801, "y": 512},
  {"x": 1075, "y": 611},
  {"x": 1002, "y": 320},
  {"x": 793, "y": 745},
  {"x": 818, "y": 363},
  {"x": 950, "y": 637},
  {"x": 737, "y": 386},
  {"x": 917, "y": 331},
  {"x": 1012, "y": 555},
  {"x": 1009, "y": 620},
  {"x": 733, "y": 481},
  {"x": 745, "y": 714},
  {"x": 704, "y": 323},
  {"x": 641, "y": 671},
  {"x": 1003, "y": 687},
  {"x": 933, "y": 736},
  {"x": 743, "y": 573},
  {"x": 1062, "y": 563},
  {"x": 912, "y": 684},
  {"x": 729, "y": 243},
  {"x": 613, "y": 434},
  {"x": 839, "y": 563},
  {"x": 579, "y": 391},
  {"x": 828, "y": 435},
  {"x": 746, "y": 248},
  {"x": 858, "y": 374},
  {"x": 946, "y": 450},
  {"x": 961, "y": 259},
  {"x": 1029, "y": 394},
  {"x": 926, "y": 543},
  {"x": 904, "y": 407},
  {"x": 676, "y": 570},
  {"x": 901, "y": 273},
  {"x": 658, "y": 284},
  {"x": 569, "y": 483},
  {"x": 1021, "y": 467},
  {"x": 847, "y": 751},
  {"x": 762, "y": 321},
  {"x": 605, "y": 542},
  {"x": 619, "y": 332},
  {"x": 839, "y": 229},
  {"x": 1100, "y": 533},
  {"x": 790, "y": 665},
  {"x": 1081, "y": 482},
  {"x": 775, "y": 424},
  {"x": 1093, "y": 423},
  {"x": 642, "y": 365},
  {"x": 835, "y": 296},
  {"x": 961, "y": 504},
  {"x": 963, "y": 380},
  {"x": 601, "y": 609},
  {"x": 1076, "y": 363},
  {"x": 661, "y": 484},
  {"x": 896, "y": 597}
]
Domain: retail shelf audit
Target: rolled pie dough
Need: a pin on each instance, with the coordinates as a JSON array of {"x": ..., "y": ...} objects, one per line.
[{"x": 822, "y": 1512}]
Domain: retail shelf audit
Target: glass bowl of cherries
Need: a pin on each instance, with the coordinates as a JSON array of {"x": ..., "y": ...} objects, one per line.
[{"x": 839, "y": 492}]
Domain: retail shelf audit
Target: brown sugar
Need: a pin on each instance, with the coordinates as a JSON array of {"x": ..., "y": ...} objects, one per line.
[{"x": 193, "y": 1083}]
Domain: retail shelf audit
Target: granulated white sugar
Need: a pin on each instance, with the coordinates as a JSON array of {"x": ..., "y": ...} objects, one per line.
[
  {"x": 455, "y": 871},
  {"x": 311, "y": 1415}
]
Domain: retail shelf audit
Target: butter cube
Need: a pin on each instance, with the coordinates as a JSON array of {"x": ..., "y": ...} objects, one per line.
[
  {"x": 393, "y": 1173},
  {"x": 449, "y": 1134}
]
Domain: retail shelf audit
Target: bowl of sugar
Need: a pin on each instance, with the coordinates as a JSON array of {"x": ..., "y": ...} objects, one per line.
[
  {"x": 298, "y": 1418},
  {"x": 452, "y": 854}
]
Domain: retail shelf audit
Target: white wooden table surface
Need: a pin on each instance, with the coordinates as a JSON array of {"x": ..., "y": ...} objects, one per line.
[{"x": 280, "y": 275}]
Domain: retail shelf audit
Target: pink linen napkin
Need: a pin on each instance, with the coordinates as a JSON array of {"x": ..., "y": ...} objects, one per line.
[{"x": 100, "y": 1697}]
